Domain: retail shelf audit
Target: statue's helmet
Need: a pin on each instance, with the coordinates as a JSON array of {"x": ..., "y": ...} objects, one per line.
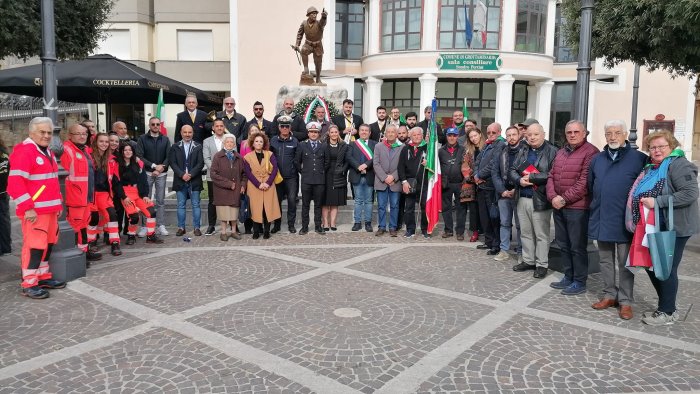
[{"x": 311, "y": 10}]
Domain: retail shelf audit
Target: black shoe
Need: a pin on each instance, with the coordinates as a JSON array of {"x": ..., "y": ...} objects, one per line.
[
  {"x": 256, "y": 235},
  {"x": 266, "y": 235},
  {"x": 248, "y": 231},
  {"x": 356, "y": 227},
  {"x": 523, "y": 267},
  {"x": 320, "y": 230},
  {"x": 334, "y": 228},
  {"x": 153, "y": 239},
  {"x": 540, "y": 272},
  {"x": 92, "y": 246},
  {"x": 210, "y": 231},
  {"x": 275, "y": 229},
  {"x": 483, "y": 246},
  {"x": 93, "y": 256},
  {"x": 326, "y": 229},
  {"x": 304, "y": 231},
  {"x": 116, "y": 250},
  {"x": 292, "y": 230},
  {"x": 35, "y": 292},
  {"x": 51, "y": 284},
  {"x": 105, "y": 239},
  {"x": 493, "y": 252},
  {"x": 131, "y": 239},
  {"x": 368, "y": 227}
]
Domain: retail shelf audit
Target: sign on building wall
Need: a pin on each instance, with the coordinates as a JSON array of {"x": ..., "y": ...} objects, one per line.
[{"x": 469, "y": 61}]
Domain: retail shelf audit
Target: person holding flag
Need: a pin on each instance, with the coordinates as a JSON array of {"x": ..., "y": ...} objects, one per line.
[
  {"x": 412, "y": 176},
  {"x": 433, "y": 199},
  {"x": 361, "y": 175}
]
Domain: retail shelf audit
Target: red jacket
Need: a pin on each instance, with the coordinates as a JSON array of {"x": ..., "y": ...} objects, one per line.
[
  {"x": 30, "y": 169},
  {"x": 75, "y": 161},
  {"x": 569, "y": 175}
]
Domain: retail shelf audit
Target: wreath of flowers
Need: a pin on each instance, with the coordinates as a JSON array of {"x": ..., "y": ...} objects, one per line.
[{"x": 303, "y": 103}]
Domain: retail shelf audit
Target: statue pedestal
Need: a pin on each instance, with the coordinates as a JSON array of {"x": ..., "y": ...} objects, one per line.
[{"x": 335, "y": 94}]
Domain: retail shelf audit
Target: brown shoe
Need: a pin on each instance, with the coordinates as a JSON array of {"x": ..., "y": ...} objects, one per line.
[
  {"x": 379, "y": 232},
  {"x": 604, "y": 304},
  {"x": 446, "y": 234},
  {"x": 626, "y": 312},
  {"x": 393, "y": 233},
  {"x": 460, "y": 237},
  {"x": 197, "y": 232},
  {"x": 180, "y": 232}
]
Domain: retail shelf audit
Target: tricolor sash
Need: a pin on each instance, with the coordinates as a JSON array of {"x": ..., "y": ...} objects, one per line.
[{"x": 364, "y": 148}]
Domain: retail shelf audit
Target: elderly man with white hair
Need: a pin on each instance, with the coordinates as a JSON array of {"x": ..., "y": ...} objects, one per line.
[{"x": 610, "y": 177}]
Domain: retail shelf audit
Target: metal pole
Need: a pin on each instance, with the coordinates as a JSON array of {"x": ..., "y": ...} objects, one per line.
[
  {"x": 635, "y": 101},
  {"x": 67, "y": 262},
  {"x": 583, "y": 77}
]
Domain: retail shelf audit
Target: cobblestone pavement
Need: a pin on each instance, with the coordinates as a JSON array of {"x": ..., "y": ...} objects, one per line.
[{"x": 340, "y": 313}]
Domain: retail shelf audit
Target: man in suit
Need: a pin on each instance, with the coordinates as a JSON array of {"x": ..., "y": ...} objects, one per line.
[
  {"x": 263, "y": 124},
  {"x": 425, "y": 125},
  {"x": 347, "y": 122},
  {"x": 187, "y": 161},
  {"x": 193, "y": 117},
  {"x": 386, "y": 180},
  {"x": 312, "y": 161},
  {"x": 361, "y": 176},
  {"x": 377, "y": 128},
  {"x": 298, "y": 127},
  {"x": 234, "y": 121},
  {"x": 211, "y": 146}
]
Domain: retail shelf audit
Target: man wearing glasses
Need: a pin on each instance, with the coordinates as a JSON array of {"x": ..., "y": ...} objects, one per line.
[
  {"x": 152, "y": 148},
  {"x": 263, "y": 124},
  {"x": 567, "y": 190},
  {"x": 234, "y": 122}
]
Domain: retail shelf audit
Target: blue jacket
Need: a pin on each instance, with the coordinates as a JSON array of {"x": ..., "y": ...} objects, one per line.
[
  {"x": 285, "y": 153},
  {"x": 609, "y": 183},
  {"x": 485, "y": 161}
]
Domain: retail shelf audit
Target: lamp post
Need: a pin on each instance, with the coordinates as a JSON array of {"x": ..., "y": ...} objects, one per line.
[
  {"x": 583, "y": 70},
  {"x": 67, "y": 262},
  {"x": 635, "y": 101}
]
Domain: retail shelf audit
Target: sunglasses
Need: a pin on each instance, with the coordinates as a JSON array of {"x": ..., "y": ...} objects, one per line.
[
  {"x": 155, "y": 124},
  {"x": 284, "y": 126}
]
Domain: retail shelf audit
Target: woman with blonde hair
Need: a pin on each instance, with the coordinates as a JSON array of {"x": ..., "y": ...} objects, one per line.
[
  {"x": 473, "y": 145},
  {"x": 261, "y": 169},
  {"x": 336, "y": 179}
]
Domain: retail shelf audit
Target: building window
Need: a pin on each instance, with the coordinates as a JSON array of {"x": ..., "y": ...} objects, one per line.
[
  {"x": 519, "y": 108},
  {"x": 117, "y": 43},
  {"x": 479, "y": 94},
  {"x": 349, "y": 29},
  {"x": 470, "y": 24},
  {"x": 404, "y": 94},
  {"x": 357, "y": 98},
  {"x": 401, "y": 25},
  {"x": 562, "y": 52},
  {"x": 532, "y": 25},
  {"x": 562, "y": 111},
  {"x": 197, "y": 45}
]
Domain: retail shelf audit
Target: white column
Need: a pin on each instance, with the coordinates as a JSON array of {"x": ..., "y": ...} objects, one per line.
[
  {"x": 427, "y": 90},
  {"x": 509, "y": 14},
  {"x": 430, "y": 19},
  {"x": 233, "y": 32},
  {"x": 373, "y": 97},
  {"x": 373, "y": 36},
  {"x": 504, "y": 99},
  {"x": 531, "y": 101},
  {"x": 544, "y": 104},
  {"x": 551, "y": 20}
]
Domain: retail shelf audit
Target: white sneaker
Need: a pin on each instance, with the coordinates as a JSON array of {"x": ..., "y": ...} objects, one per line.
[
  {"x": 162, "y": 231},
  {"x": 142, "y": 232},
  {"x": 502, "y": 256}
]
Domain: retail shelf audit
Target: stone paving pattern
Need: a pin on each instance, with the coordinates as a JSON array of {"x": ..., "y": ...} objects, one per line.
[{"x": 341, "y": 313}]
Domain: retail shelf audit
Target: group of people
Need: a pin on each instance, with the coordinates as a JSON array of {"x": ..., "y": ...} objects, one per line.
[{"x": 512, "y": 180}]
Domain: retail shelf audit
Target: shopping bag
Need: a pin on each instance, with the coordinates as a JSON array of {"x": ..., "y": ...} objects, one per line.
[
  {"x": 662, "y": 244},
  {"x": 244, "y": 210},
  {"x": 639, "y": 256}
]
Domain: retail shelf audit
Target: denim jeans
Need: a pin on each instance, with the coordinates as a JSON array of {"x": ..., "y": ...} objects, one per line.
[
  {"x": 506, "y": 209},
  {"x": 159, "y": 199},
  {"x": 363, "y": 201},
  {"x": 183, "y": 194},
  {"x": 571, "y": 234},
  {"x": 385, "y": 197}
]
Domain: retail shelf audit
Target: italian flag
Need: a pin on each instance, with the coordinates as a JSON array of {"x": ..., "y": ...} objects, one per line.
[
  {"x": 160, "y": 113},
  {"x": 433, "y": 202}
]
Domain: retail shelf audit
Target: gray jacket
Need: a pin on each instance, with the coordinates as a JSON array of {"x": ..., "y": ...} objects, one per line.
[
  {"x": 209, "y": 150},
  {"x": 682, "y": 183},
  {"x": 385, "y": 163}
]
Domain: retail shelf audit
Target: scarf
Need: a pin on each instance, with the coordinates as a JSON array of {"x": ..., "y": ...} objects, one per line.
[
  {"x": 499, "y": 138},
  {"x": 396, "y": 144},
  {"x": 422, "y": 143},
  {"x": 650, "y": 183},
  {"x": 229, "y": 154}
]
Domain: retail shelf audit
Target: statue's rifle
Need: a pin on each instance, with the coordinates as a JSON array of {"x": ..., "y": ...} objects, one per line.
[{"x": 296, "y": 51}]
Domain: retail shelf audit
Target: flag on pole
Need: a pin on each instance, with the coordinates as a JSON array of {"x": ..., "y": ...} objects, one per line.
[
  {"x": 160, "y": 113},
  {"x": 465, "y": 109},
  {"x": 433, "y": 201},
  {"x": 468, "y": 31}
]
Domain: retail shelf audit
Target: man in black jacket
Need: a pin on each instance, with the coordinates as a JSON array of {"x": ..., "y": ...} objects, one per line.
[
  {"x": 298, "y": 126},
  {"x": 284, "y": 146},
  {"x": 312, "y": 161},
  {"x": 505, "y": 192},
  {"x": 234, "y": 121},
  {"x": 451, "y": 156},
  {"x": 193, "y": 117},
  {"x": 529, "y": 173},
  {"x": 361, "y": 176},
  {"x": 485, "y": 193},
  {"x": 263, "y": 124},
  {"x": 377, "y": 128},
  {"x": 414, "y": 182},
  {"x": 425, "y": 125},
  {"x": 347, "y": 122},
  {"x": 153, "y": 148},
  {"x": 187, "y": 161}
]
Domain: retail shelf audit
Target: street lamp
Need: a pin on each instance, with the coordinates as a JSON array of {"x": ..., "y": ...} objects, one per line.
[{"x": 583, "y": 70}]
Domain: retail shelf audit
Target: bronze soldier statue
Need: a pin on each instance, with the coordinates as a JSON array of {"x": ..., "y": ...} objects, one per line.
[{"x": 313, "y": 29}]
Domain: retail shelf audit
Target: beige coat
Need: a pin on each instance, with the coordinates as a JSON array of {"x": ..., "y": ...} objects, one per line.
[{"x": 261, "y": 199}]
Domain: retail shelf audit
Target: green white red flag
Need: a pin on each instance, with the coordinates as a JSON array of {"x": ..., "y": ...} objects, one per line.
[
  {"x": 433, "y": 201},
  {"x": 160, "y": 113}
]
